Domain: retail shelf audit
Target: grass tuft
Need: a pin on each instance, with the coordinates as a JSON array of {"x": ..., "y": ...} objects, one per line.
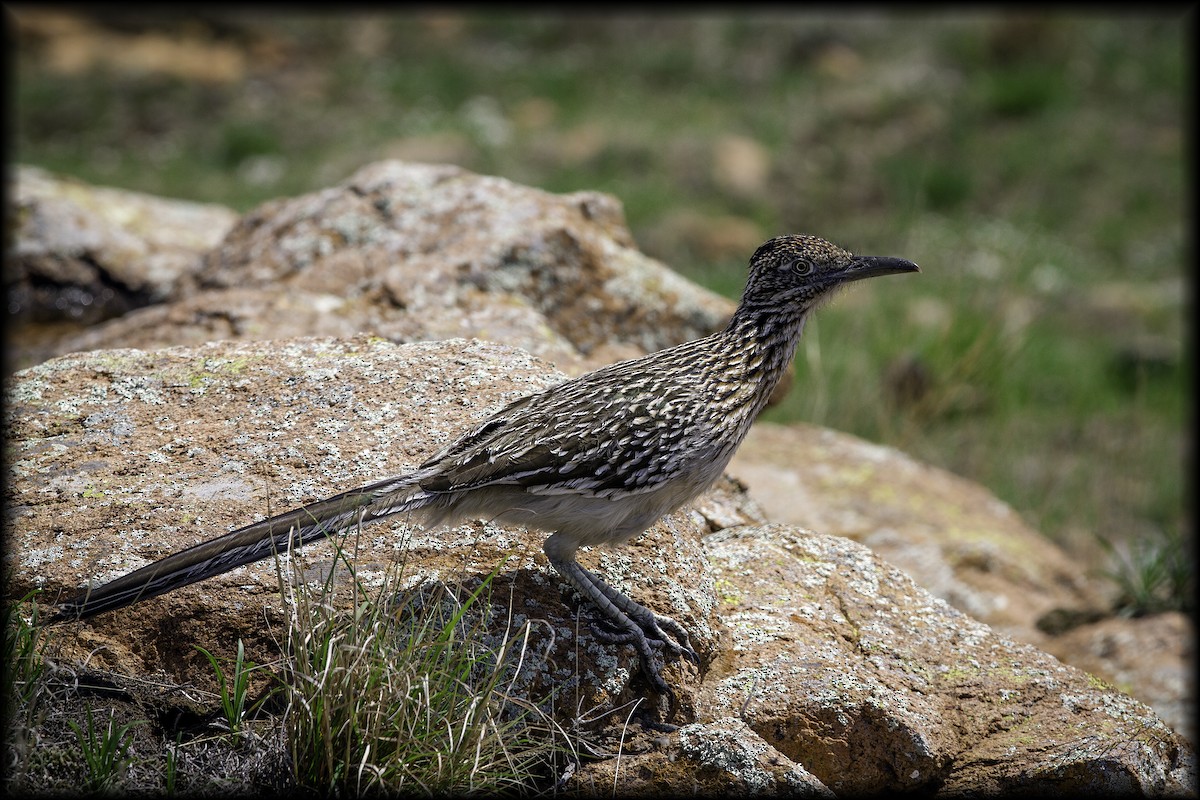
[
  {"x": 1152, "y": 575},
  {"x": 234, "y": 688},
  {"x": 412, "y": 691},
  {"x": 105, "y": 752},
  {"x": 408, "y": 692},
  {"x": 24, "y": 685},
  {"x": 24, "y": 667}
]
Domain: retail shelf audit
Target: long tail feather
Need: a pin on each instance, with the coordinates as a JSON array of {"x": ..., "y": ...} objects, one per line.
[{"x": 260, "y": 540}]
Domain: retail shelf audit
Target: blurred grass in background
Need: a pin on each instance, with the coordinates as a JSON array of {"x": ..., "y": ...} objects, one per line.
[{"x": 1031, "y": 163}]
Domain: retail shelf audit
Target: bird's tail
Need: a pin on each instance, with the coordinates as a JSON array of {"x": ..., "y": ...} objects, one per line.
[{"x": 276, "y": 534}]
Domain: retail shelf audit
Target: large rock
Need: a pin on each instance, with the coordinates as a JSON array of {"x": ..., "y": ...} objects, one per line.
[
  {"x": 841, "y": 670},
  {"x": 1152, "y": 658},
  {"x": 973, "y": 551},
  {"x": 716, "y": 758},
  {"x": 419, "y": 252},
  {"x": 88, "y": 253},
  {"x": 952, "y": 536},
  {"x": 844, "y": 665}
]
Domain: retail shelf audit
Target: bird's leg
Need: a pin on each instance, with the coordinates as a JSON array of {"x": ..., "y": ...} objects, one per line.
[
  {"x": 639, "y": 627},
  {"x": 629, "y": 621}
]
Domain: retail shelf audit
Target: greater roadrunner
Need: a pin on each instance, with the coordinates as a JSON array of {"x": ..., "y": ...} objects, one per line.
[{"x": 595, "y": 460}]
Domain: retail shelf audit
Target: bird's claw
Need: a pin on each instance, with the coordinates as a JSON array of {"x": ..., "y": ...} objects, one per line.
[{"x": 650, "y": 635}]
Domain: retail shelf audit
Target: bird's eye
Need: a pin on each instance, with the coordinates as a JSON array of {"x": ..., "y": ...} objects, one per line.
[{"x": 802, "y": 266}]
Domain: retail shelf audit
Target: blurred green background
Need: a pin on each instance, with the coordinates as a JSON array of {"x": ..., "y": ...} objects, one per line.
[{"x": 1031, "y": 163}]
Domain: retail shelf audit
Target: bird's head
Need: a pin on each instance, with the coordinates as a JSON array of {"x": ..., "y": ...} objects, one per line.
[{"x": 797, "y": 272}]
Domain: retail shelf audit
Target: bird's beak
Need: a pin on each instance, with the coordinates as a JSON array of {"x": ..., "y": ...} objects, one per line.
[{"x": 870, "y": 266}]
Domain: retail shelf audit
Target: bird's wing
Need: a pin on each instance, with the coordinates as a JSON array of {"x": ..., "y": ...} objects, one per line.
[{"x": 592, "y": 436}]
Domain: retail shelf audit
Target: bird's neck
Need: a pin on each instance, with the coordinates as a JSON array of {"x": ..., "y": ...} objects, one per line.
[{"x": 765, "y": 341}]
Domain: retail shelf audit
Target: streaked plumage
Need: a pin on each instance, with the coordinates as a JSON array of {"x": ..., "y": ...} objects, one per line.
[{"x": 595, "y": 460}]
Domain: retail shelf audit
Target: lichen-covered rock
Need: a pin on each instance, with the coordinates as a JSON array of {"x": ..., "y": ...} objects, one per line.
[
  {"x": 952, "y": 536},
  {"x": 965, "y": 546},
  {"x": 721, "y": 758},
  {"x": 1152, "y": 658},
  {"x": 844, "y": 665}
]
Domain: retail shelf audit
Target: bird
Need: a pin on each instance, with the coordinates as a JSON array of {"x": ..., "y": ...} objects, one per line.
[{"x": 592, "y": 461}]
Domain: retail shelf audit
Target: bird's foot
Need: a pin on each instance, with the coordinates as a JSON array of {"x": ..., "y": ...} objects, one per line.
[
  {"x": 624, "y": 621},
  {"x": 659, "y": 631},
  {"x": 650, "y": 634}
]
